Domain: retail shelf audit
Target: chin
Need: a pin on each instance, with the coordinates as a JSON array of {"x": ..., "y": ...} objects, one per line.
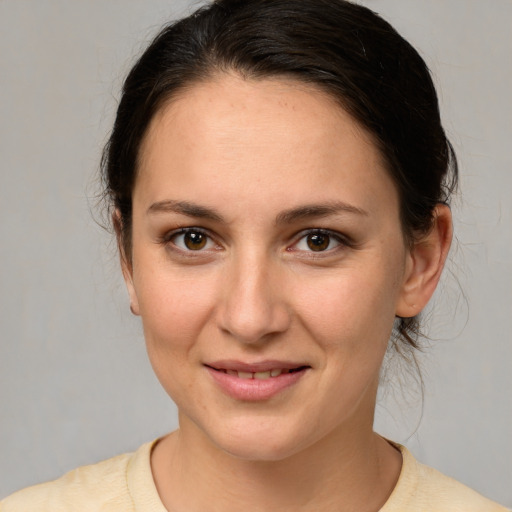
[{"x": 260, "y": 440}]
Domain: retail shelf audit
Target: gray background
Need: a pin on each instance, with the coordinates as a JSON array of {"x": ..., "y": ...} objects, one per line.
[{"x": 75, "y": 385}]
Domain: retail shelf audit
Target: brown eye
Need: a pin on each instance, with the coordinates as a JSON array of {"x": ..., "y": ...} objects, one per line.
[
  {"x": 318, "y": 241},
  {"x": 191, "y": 240},
  {"x": 194, "y": 240}
]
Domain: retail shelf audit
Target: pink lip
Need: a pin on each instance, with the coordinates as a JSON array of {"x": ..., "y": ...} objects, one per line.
[
  {"x": 255, "y": 389},
  {"x": 257, "y": 366}
]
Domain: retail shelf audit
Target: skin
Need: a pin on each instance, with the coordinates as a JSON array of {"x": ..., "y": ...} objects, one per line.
[{"x": 252, "y": 153}]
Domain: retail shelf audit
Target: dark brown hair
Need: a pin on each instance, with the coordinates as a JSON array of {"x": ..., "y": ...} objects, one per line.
[{"x": 339, "y": 47}]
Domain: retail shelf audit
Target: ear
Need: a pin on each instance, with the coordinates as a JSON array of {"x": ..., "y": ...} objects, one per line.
[
  {"x": 425, "y": 262},
  {"x": 126, "y": 263}
]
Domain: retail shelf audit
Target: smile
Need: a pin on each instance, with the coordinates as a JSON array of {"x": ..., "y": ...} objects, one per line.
[
  {"x": 260, "y": 375},
  {"x": 255, "y": 382}
]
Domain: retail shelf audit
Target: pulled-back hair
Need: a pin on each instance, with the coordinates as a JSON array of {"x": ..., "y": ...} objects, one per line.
[{"x": 339, "y": 47}]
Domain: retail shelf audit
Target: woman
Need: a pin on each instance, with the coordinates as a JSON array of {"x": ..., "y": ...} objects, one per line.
[{"x": 279, "y": 182}]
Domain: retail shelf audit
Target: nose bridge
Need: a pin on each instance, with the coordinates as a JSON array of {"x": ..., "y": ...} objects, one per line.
[{"x": 254, "y": 304}]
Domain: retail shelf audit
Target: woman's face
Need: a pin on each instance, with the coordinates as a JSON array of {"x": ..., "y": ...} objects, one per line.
[{"x": 267, "y": 264}]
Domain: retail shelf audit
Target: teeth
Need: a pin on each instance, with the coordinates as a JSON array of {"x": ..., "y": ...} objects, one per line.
[
  {"x": 257, "y": 375},
  {"x": 262, "y": 375}
]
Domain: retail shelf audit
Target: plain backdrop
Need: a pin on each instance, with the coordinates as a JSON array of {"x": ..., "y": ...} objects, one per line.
[{"x": 75, "y": 384}]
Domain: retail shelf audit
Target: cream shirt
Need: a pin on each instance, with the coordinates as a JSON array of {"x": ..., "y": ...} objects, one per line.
[{"x": 125, "y": 484}]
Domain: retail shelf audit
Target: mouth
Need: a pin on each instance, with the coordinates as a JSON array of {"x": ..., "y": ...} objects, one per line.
[
  {"x": 260, "y": 375},
  {"x": 256, "y": 381}
]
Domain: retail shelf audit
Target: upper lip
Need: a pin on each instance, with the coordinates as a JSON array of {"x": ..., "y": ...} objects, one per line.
[{"x": 258, "y": 366}]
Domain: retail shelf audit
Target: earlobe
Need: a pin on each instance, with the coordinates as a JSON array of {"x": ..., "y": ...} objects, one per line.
[
  {"x": 134, "y": 302},
  {"x": 128, "y": 279},
  {"x": 425, "y": 262},
  {"x": 126, "y": 265}
]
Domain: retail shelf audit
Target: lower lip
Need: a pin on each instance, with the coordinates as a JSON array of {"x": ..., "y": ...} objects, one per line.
[{"x": 255, "y": 389}]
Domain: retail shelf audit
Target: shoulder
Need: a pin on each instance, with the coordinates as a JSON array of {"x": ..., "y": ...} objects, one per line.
[
  {"x": 102, "y": 486},
  {"x": 424, "y": 489}
]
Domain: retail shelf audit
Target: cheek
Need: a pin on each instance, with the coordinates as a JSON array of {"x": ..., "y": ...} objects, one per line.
[
  {"x": 174, "y": 309},
  {"x": 354, "y": 307},
  {"x": 174, "y": 306}
]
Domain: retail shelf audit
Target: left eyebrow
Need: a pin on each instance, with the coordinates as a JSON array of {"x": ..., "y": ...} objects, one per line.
[
  {"x": 185, "y": 208},
  {"x": 311, "y": 211}
]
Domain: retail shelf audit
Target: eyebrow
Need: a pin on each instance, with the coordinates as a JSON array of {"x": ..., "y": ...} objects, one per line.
[
  {"x": 290, "y": 216},
  {"x": 311, "y": 211},
  {"x": 185, "y": 208}
]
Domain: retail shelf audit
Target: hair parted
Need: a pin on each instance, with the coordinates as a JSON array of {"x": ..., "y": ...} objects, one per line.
[{"x": 344, "y": 49}]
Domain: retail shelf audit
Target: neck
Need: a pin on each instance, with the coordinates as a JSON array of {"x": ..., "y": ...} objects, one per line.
[{"x": 351, "y": 469}]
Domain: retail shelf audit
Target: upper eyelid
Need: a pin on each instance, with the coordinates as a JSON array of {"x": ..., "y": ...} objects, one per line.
[
  {"x": 343, "y": 239},
  {"x": 168, "y": 236},
  {"x": 302, "y": 233},
  {"x": 330, "y": 232},
  {"x": 187, "y": 229}
]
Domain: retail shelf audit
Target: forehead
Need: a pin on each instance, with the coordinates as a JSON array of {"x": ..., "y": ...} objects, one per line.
[
  {"x": 276, "y": 134},
  {"x": 229, "y": 105}
]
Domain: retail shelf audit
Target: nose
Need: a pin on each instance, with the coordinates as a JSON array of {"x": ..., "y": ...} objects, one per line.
[{"x": 254, "y": 308}]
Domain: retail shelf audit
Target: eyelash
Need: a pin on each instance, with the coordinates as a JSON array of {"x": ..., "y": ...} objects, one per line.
[
  {"x": 170, "y": 239},
  {"x": 342, "y": 241}
]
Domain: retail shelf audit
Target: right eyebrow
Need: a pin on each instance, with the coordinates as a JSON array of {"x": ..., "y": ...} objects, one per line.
[
  {"x": 185, "y": 208},
  {"x": 312, "y": 211}
]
